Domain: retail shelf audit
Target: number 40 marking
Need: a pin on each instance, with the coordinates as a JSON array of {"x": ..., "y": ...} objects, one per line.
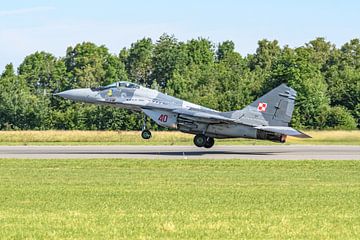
[{"x": 163, "y": 118}]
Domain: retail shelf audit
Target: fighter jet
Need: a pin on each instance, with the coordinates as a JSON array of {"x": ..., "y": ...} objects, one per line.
[{"x": 266, "y": 118}]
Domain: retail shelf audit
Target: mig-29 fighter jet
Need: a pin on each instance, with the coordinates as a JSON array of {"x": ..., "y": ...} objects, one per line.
[{"x": 266, "y": 118}]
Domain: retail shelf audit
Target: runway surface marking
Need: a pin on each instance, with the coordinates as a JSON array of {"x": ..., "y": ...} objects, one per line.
[{"x": 289, "y": 152}]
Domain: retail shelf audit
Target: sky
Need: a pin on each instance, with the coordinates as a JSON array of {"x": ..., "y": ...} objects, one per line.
[{"x": 52, "y": 26}]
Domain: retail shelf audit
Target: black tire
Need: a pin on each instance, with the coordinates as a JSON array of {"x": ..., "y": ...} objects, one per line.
[
  {"x": 146, "y": 134},
  {"x": 200, "y": 140},
  {"x": 209, "y": 142}
]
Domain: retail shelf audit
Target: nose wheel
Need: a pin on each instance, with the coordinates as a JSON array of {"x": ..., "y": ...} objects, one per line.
[
  {"x": 200, "y": 140},
  {"x": 146, "y": 134}
]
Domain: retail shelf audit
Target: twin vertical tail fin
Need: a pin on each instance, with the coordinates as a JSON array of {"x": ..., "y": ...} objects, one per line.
[
  {"x": 275, "y": 108},
  {"x": 272, "y": 112}
]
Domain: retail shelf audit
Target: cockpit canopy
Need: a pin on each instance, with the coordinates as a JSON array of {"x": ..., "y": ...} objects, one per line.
[{"x": 121, "y": 84}]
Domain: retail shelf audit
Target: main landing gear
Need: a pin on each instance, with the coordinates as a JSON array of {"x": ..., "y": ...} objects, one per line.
[{"x": 200, "y": 140}]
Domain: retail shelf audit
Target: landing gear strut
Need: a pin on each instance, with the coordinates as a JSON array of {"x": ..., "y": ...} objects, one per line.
[
  {"x": 200, "y": 140},
  {"x": 145, "y": 134}
]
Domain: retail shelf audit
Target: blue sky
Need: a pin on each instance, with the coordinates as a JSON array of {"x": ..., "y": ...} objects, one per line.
[{"x": 52, "y": 26}]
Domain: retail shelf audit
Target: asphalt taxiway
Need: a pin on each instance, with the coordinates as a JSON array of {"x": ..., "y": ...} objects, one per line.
[{"x": 269, "y": 152}]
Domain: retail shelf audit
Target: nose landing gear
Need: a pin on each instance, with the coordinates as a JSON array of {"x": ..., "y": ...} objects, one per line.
[
  {"x": 145, "y": 134},
  {"x": 200, "y": 140}
]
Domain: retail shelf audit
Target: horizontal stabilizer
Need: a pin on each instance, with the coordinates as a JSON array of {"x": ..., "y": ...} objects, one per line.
[{"x": 284, "y": 130}]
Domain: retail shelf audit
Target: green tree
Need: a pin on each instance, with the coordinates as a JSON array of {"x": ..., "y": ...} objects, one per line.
[
  {"x": 168, "y": 55},
  {"x": 9, "y": 71},
  {"x": 235, "y": 81},
  {"x": 200, "y": 51},
  {"x": 194, "y": 78},
  {"x": 225, "y": 48},
  {"x": 139, "y": 61},
  {"x": 266, "y": 53},
  {"x": 261, "y": 64},
  {"x": 350, "y": 53},
  {"x": 296, "y": 68},
  {"x": 43, "y": 72},
  {"x": 90, "y": 65},
  {"x": 340, "y": 118},
  {"x": 19, "y": 109},
  {"x": 343, "y": 77},
  {"x": 322, "y": 52}
]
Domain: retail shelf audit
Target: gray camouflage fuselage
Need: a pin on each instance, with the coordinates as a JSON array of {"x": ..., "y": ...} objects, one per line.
[{"x": 266, "y": 118}]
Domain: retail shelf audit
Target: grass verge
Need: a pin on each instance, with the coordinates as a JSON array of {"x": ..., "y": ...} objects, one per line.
[
  {"x": 159, "y": 138},
  {"x": 179, "y": 199}
]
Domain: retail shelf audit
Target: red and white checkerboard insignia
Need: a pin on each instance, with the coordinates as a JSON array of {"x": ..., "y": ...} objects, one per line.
[{"x": 262, "y": 107}]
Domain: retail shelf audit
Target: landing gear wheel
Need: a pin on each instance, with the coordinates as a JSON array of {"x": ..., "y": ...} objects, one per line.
[
  {"x": 200, "y": 140},
  {"x": 146, "y": 134},
  {"x": 209, "y": 142}
]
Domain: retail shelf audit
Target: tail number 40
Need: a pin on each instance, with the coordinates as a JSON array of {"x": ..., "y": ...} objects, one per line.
[{"x": 163, "y": 118}]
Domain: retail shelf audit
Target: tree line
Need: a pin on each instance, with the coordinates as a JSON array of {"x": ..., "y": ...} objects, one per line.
[{"x": 326, "y": 78}]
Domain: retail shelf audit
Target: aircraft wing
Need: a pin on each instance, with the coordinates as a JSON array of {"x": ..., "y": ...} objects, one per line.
[
  {"x": 202, "y": 116},
  {"x": 284, "y": 130}
]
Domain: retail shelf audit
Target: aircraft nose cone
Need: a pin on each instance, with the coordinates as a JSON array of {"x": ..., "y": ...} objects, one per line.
[
  {"x": 63, "y": 94},
  {"x": 69, "y": 94},
  {"x": 83, "y": 94}
]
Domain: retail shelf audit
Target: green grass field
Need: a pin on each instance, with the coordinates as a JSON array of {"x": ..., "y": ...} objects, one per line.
[
  {"x": 179, "y": 199},
  {"x": 159, "y": 138}
]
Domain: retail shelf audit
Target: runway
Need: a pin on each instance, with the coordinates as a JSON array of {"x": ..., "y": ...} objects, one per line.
[{"x": 270, "y": 152}]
